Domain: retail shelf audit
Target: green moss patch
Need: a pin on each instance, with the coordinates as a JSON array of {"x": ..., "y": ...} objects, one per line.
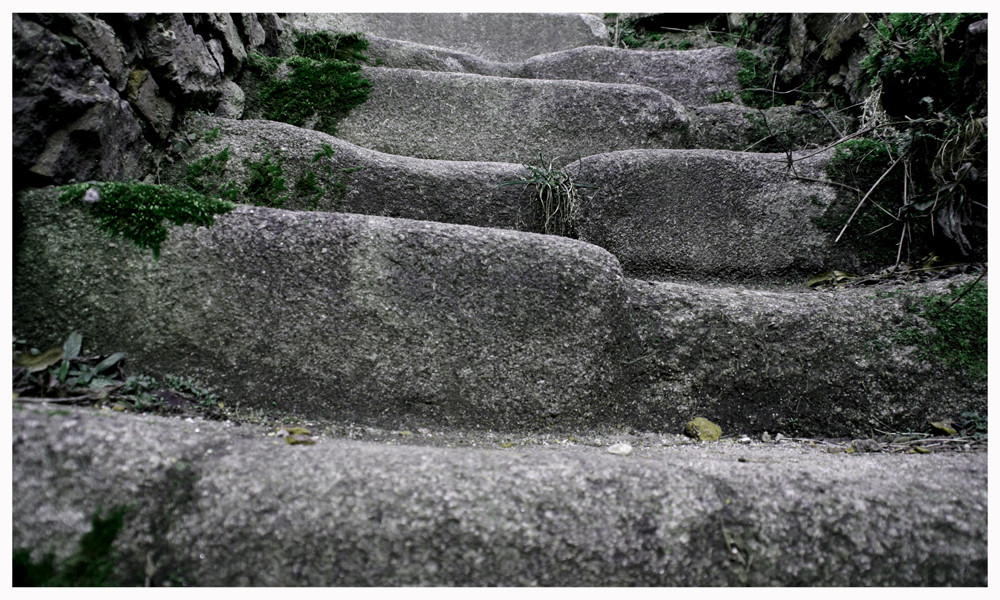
[
  {"x": 755, "y": 77},
  {"x": 321, "y": 85},
  {"x": 91, "y": 565},
  {"x": 959, "y": 329},
  {"x": 139, "y": 211}
]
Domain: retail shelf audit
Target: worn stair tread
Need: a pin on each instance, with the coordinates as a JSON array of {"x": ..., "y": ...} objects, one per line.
[
  {"x": 709, "y": 214},
  {"x": 212, "y": 504},
  {"x": 508, "y": 37},
  {"x": 693, "y": 77},
  {"x": 394, "y": 323},
  {"x": 462, "y": 116}
]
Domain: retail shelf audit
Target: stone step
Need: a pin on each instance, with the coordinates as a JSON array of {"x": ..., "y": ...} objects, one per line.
[
  {"x": 209, "y": 504},
  {"x": 403, "y": 324},
  {"x": 697, "y": 214},
  {"x": 459, "y": 116},
  {"x": 498, "y": 37},
  {"x": 693, "y": 77}
]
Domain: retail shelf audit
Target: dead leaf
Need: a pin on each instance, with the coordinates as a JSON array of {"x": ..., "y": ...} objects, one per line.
[
  {"x": 38, "y": 362},
  {"x": 299, "y": 439}
]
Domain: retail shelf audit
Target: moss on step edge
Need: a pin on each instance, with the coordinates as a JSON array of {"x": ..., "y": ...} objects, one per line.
[
  {"x": 959, "y": 330},
  {"x": 137, "y": 211},
  {"x": 266, "y": 184},
  {"x": 91, "y": 565}
]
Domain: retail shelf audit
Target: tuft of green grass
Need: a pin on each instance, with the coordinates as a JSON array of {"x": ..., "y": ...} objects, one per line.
[
  {"x": 723, "y": 96},
  {"x": 205, "y": 175},
  {"x": 556, "y": 205},
  {"x": 138, "y": 211},
  {"x": 324, "y": 45}
]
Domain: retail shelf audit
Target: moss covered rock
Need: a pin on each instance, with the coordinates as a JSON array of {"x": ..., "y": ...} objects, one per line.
[{"x": 703, "y": 430}]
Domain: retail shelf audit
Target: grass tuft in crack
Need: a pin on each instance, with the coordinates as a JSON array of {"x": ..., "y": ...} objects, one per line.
[{"x": 556, "y": 198}]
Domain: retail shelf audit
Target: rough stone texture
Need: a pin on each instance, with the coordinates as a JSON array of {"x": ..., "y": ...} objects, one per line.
[
  {"x": 458, "y": 116},
  {"x": 691, "y": 77},
  {"x": 506, "y": 37},
  {"x": 834, "y": 42},
  {"x": 663, "y": 213},
  {"x": 401, "y": 54},
  {"x": 183, "y": 62},
  {"x": 94, "y": 95},
  {"x": 216, "y": 505},
  {"x": 68, "y": 121},
  {"x": 344, "y": 316},
  {"x": 144, "y": 95},
  {"x": 708, "y": 214},
  {"x": 465, "y": 193},
  {"x": 794, "y": 360},
  {"x": 102, "y": 45}
]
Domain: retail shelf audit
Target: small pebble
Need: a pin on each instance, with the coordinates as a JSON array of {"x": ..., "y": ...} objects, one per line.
[
  {"x": 765, "y": 437},
  {"x": 621, "y": 449}
]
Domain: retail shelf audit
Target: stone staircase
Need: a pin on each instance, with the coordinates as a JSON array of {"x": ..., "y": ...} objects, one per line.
[{"x": 419, "y": 298}]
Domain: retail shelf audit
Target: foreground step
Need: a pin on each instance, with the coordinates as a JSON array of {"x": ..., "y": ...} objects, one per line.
[
  {"x": 507, "y": 37},
  {"x": 404, "y": 324},
  {"x": 354, "y": 317},
  {"x": 209, "y": 504},
  {"x": 699, "y": 214},
  {"x": 829, "y": 363}
]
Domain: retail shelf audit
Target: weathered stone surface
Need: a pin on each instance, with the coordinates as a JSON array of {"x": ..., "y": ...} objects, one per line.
[
  {"x": 213, "y": 504},
  {"x": 361, "y": 318},
  {"x": 506, "y": 37},
  {"x": 144, "y": 95},
  {"x": 826, "y": 363},
  {"x": 691, "y": 77},
  {"x": 706, "y": 214},
  {"x": 400, "y": 54},
  {"x": 102, "y": 44},
  {"x": 183, "y": 61},
  {"x": 663, "y": 213},
  {"x": 68, "y": 121},
  {"x": 467, "y": 193},
  {"x": 458, "y": 116},
  {"x": 223, "y": 31}
]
